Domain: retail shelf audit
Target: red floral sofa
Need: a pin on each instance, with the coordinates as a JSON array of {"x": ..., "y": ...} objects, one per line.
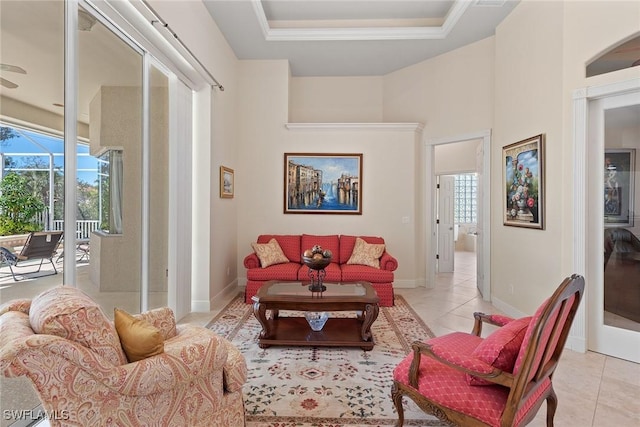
[{"x": 339, "y": 270}]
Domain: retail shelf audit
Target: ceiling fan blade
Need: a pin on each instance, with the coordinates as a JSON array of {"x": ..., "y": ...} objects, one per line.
[
  {"x": 627, "y": 49},
  {"x": 12, "y": 68},
  {"x": 6, "y": 83}
]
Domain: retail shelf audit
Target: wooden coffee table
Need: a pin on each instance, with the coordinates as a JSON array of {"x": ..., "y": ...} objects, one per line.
[{"x": 274, "y": 296}]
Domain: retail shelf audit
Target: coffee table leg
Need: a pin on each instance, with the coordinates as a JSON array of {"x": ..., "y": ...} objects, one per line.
[
  {"x": 370, "y": 315},
  {"x": 260, "y": 311}
]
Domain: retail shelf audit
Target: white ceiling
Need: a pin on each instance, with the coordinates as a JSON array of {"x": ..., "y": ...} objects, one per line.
[{"x": 354, "y": 37}]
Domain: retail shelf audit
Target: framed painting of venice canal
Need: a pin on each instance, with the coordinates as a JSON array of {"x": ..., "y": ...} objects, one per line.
[
  {"x": 322, "y": 183},
  {"x": 524, "y": 183}
]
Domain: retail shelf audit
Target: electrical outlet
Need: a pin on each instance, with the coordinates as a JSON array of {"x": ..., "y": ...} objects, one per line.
[
  {"x": 511, "y": 289},
  {"x": 229, "y": 271}
]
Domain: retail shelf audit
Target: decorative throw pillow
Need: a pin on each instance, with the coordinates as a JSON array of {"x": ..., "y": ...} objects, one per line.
[
  {"x": 501, "y": 348},
  {"x": 269, "y": 253},
  {"x": 139, "y": 339},
  {"x": 366, "y": 253}
]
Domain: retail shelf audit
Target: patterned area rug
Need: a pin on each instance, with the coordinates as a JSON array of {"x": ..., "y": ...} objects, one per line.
[{"x": 324, "y": 386}]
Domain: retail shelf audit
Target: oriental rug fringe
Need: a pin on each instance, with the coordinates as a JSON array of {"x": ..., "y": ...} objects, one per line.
[{"x": 324, "y": 386}]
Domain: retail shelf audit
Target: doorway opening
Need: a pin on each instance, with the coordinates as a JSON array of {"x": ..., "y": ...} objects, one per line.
[
  {"x": 460, "y": 155},
  {"x": 457, "y": 225}
]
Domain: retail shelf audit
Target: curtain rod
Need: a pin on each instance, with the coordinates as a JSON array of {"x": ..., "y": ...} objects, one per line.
[{"x": 166, "y": 26}]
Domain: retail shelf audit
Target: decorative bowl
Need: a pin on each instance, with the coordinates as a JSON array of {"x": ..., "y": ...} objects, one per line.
[
  {"x": 316, "y": 319},
  {"x": 316, "y": 264}
]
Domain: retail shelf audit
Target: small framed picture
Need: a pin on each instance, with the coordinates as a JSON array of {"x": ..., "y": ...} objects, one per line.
[
  {"x": 524, "y": 183},
  {"x": 226, "y": 182}
]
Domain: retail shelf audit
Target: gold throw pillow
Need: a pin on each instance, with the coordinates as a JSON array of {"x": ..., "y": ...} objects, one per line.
[
  {"x": 269, "y": 253},
  {"x": 139, "y": 338},
  {"x": 366, "y": 253}
]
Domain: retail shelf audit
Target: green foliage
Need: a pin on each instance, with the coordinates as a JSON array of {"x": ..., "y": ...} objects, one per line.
[
  {"x": 18, "y": 206},
  {"x": 6, "y": 133}
]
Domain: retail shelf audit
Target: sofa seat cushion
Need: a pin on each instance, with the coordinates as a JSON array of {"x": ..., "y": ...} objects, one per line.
[
  {"x": 69, "y": 313},
  {"x": 290, "y": 245},
  {"x": 356, "y": 272},
  {"x": 330, "y": 242},
  {"x": 333, "y": 273},
  {"x": 448, "y": 386},
  {"x": 288, "y": 271}
]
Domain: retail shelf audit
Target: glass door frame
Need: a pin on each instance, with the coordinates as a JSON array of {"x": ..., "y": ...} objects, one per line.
[
  {"x": 70, "y": 139},
  {"x": 585, "y": 249}
]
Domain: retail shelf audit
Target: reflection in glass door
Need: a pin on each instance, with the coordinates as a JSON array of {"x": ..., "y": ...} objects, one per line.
[
  {"x": 32, "y": 108},
  {"x": 614, "y": 305},
  {"x": 158, "y": 153},
  {"x": 110, "y": 101}
]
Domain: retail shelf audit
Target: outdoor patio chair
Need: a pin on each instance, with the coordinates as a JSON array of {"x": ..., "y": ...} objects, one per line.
[
  {"x": 40, "y": 245},
  {"x": 501, "y": 380}
]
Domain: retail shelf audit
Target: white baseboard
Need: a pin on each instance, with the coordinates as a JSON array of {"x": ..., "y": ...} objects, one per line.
[
  {"x": 506, "y": 308},
  {"x": 199, "y": 306}
]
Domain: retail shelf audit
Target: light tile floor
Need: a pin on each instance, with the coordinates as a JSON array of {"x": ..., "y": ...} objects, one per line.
[{"x": 593, "y": 389}]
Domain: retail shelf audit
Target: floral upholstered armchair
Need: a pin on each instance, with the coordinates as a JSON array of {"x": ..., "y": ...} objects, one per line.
[{"x": 71, "y": 352}]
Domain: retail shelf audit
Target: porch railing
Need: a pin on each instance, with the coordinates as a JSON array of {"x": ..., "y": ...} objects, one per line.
[{"x": 83, "y": 227}]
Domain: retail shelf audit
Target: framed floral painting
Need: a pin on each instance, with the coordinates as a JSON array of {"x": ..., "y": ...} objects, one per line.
[
  {"x": 322, "y": 183},
  {"x": 524, "y": 183}
]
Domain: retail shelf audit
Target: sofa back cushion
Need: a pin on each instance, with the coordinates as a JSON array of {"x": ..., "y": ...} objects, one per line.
[
  {"x": 290, "y": 245},
  {"x": 330, "y": 242},
  {"x": 347, "y": 243},
  {"x": 67, "y": 312}
]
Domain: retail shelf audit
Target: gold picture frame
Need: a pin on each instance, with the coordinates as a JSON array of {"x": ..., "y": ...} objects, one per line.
[
  {"x": 226, "y": 182},
  {"x": 523, "y": 185},
  {"x": 319, "y": 183}
]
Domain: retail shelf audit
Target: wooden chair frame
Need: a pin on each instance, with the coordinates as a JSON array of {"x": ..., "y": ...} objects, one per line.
[{"x": 529, "y": 377}]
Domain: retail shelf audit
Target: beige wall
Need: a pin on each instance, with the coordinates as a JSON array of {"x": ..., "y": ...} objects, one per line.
[
  {"x": 336, "y": 99},
  {"x": 458, "y": 157},
  {"x": 197, "y": 30},
  {"x": 389, "y": 177},
  {"x": 451, "y": 94},
  {"x": 518, "y": 83}
]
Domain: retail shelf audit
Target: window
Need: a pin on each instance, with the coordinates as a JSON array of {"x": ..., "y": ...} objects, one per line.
[
  {"x": 465, "y": 194},
  {"x": 110, "y": 192}
]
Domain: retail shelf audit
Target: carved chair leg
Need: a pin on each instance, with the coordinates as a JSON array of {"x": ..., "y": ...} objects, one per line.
[
  {"x": 396, "y": 395},
  {"x": 552, "y": 405}
]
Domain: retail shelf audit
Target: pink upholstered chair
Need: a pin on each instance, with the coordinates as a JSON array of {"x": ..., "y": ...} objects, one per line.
[
  {"x": 501, "y": 380},
  {"x": 71, "y": 352}
]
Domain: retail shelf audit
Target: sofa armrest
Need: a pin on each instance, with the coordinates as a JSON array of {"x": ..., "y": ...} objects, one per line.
[
  {"x": 387, "y": 262},
  {"x": 235, "y": 368},
  {"x": 251, "y": 261},
  {"x": 23, "y": 305},
  {"x": 161, "y": 318}
]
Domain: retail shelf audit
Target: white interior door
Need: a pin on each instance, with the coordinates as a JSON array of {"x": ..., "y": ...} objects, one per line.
[
  {"x": 613, "y": 125},
  {"x": 445, "y": 224},
  {"x": 480, "y": 220}
]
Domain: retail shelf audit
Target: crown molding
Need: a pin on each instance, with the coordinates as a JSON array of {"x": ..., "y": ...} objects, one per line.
[
  {"x": 412, "y": 127},
  {"x": 372, "y": 33}
]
